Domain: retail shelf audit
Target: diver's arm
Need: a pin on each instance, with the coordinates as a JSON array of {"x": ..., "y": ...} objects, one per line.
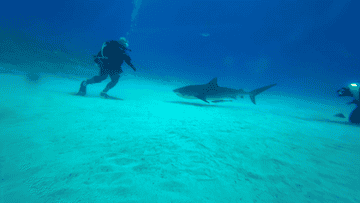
[
  {"x": 128, "y": 61},
  {"x": 132, "y": 66}
]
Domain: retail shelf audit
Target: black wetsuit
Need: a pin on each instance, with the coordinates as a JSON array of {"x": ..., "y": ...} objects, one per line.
[
  {"x": 116, "y": 55},
  {"x": 355, "y": 94},
  {"x": 355, "y": 114},
  {"x": 111, "y": 65}
]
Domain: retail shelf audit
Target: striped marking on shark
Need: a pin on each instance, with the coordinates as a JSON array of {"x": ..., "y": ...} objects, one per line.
[{"x": 212, "y": 91}]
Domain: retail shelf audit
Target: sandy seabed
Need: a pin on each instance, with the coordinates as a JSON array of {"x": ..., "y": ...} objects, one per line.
[{"x": 156, "y": 147}]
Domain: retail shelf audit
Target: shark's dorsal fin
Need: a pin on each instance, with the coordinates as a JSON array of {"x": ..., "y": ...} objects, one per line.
[{"x": 213, "y": 82}]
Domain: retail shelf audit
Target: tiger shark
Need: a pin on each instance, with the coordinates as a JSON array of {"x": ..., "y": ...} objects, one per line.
[{"x": 212, "y": 91}]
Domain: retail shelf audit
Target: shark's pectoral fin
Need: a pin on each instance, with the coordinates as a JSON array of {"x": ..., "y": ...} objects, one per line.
[{"x": 202, "y": 98}]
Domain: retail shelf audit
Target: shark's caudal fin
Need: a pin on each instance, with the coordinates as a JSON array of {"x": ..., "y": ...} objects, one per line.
[{"x": 258, "y": 91}]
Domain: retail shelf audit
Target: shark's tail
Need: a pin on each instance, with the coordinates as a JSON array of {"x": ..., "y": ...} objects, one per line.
[{"x": 258, "y": 91}]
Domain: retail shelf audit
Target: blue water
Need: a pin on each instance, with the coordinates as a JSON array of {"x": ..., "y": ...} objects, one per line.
[{"x": 307, "y": 46}]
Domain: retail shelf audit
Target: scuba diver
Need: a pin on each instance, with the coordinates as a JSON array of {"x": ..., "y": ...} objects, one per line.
[
  {"x": 353, "y": 90},
  {"x": 109, "y": 59}
]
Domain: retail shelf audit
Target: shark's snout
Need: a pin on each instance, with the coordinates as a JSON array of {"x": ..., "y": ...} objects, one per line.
[
  {"x": 181, "y": 93},
  {"x": 177, "y": 92}
]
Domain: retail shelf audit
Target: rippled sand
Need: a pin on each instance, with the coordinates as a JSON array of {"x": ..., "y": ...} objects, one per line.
[{"x": 156, "y": 147}]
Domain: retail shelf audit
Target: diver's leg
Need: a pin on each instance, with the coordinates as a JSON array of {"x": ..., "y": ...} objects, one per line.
[
  {"x": 111, "y": 84},
  {"x": 96, "y": 79}
]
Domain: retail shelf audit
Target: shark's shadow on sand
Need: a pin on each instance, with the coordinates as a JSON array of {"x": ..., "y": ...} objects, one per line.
[
  {"x": 328, "y": 121},
  {"x": 199, "y": 105},
  {"x": 234, "y": 107}
]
